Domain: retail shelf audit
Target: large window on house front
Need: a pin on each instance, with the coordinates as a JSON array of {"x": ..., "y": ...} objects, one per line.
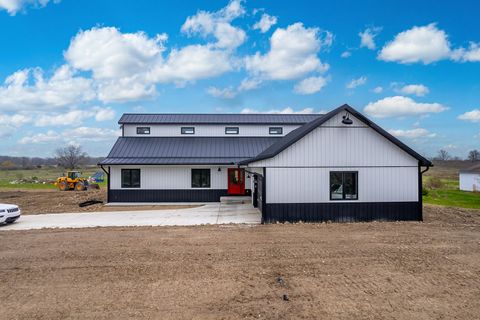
[
  {"x": 200, "y": 178},
  {"x": 130, "y": 178},
  {"x": 343, "y": 185}
]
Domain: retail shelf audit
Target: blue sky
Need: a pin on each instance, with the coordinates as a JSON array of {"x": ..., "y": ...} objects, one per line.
[{"x": 69, "y": 69}]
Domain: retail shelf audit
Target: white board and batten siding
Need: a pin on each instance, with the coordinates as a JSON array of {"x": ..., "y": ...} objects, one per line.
[
  {"x": 469, "y": 181},
  {"x": 174, "y": 130},
  {"x": 301, "y": 172},
  {"x": 171, "y": 177}
]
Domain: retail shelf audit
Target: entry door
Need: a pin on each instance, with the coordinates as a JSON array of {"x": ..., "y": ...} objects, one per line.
[{"x": 236, "y": 181}]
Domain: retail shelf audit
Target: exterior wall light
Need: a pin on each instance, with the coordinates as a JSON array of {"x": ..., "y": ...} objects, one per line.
[{"x": 346, "y": 119}]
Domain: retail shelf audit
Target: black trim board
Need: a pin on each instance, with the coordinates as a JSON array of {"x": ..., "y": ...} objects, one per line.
[
  {"x": 299, "y": 133},
  {"x": 342, "y": 212},
  {"x": 170, "y": 195}
]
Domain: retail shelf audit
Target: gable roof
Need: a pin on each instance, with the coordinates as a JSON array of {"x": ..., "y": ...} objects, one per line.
[
  {"x": 182, "y": 150},
  {"x": 185, "y": 118},
  {"x": 299, "y": 133}
]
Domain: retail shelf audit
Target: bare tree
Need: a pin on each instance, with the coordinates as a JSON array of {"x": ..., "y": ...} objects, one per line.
[
  {"x": 474, "y": 155},
  {"x": 443, "y": 155},
  {"x": 70, "y": 157}
]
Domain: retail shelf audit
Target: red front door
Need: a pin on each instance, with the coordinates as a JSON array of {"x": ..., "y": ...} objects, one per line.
[{"x": 236, "y": 181}]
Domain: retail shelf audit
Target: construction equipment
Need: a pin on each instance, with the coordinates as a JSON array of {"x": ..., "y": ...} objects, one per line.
[{"x": 72, "y": 181}]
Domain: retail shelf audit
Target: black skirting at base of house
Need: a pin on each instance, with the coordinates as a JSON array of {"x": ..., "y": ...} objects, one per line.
[
  {"x": 342, "y": 212},
  {"x": 170, "y": 195}
]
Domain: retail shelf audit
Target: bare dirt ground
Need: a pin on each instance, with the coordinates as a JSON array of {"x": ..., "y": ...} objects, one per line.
[
  {"x": 404, "y": 270},
  {"x": 39, "y": 201}
]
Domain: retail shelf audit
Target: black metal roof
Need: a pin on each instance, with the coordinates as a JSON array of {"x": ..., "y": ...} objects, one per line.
[
  {"x": 186, "y": 150},
  {"x": 299, "y": 133},
  {"x": 184, "y": 118}
]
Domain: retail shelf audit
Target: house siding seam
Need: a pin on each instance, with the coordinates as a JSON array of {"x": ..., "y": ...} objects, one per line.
[{"x": 342, "y": 212}]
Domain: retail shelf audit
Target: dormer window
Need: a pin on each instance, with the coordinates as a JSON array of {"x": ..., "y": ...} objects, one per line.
[
  {"x": 275, "y": 130},
  {"x": 231, "y": 130},
  {"x": 188, "y": 130},
  {"x": 143, "y": 130}
]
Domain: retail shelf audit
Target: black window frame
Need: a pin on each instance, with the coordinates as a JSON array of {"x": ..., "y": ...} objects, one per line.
[
  {"x": 203, "y": 172},
  {"x": 270, "y": 129},
  {"x": 140, "y": 130},
  {"x": 237, "y": 129},
  {"x": 131, "y": 185},
  {"x": 343, "y": 188},
  {"x": 183, "y": 130}
]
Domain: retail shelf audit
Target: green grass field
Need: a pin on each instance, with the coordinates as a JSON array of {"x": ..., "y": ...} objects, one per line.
[
  {"x": 449, "y": 195},
  {"x": 46, "y": 175}
]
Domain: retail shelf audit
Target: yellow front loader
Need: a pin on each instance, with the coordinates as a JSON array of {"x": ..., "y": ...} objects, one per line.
[{"x": 72, "y": 181}]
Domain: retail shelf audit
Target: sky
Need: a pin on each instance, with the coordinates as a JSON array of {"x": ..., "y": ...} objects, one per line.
[{"x": 69, "y": 69}]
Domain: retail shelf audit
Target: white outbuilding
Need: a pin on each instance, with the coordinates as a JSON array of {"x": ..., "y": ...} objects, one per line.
[{"x": 470, "y": 178}]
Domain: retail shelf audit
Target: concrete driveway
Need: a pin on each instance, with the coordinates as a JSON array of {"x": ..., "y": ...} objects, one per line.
[{"x": 211, "y": 213}]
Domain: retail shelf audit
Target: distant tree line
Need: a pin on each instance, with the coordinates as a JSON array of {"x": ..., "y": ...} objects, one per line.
[
  {"x": 444, "y": 155},
  {"x": 69, "y": 157}
]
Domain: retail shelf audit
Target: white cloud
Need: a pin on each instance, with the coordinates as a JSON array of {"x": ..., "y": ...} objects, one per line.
[
  {"x": 104, "y": 114},
  {"x": 310, "y": 85},
  {"x": 92, "y": 134},
  {"x": 399, "y": 106},
  {"x": 367, "y": 37},
  {"x": 192, "y": 63},
  {"x": 425, "y": 44},
  {"x": 472, "y": 116},
  {"x": 110, "y": 54},
  {"x": 292, "y": 55},
  {"x": 265, "y": 23},
  {"x": 72, "y": 136},
  {"x": 226, "y": 93},
  {"x": 14, "y": 6},
  {"x": 378, "y": 89},
  {"x": 10, "y": 123},
  {"x": 356, "y": 82},
  {"x": 218, "y": 24},
  {"x": 73, "y": 117},
  {"x": 50, "y": 136},
  {"x": 415, "y": 89},
  {"x": 472, "y": 54},
  {"x": 346, "y": 54},
  {"x": 413, "y": 133},
  {"x": 127, "y": 66},
  {"x": 287, "y": 110},
  {"x": 249, "y": 84},
  {"x": 28, "y": 89}
]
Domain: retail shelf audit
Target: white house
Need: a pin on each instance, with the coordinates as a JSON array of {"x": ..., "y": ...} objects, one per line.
[
  {"x": 470, "y": 179},
  {"x": 334, "y": 167}
]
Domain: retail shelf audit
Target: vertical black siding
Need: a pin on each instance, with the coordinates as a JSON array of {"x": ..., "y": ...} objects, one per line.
[
  {"x": 171, "y": 195},
  {"x": 342, "y": 212}
]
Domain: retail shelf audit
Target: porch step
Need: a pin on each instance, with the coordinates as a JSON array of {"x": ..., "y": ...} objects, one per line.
[{"x": 235, "y": 199}]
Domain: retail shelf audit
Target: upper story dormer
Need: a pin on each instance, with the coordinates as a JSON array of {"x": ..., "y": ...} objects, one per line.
[{"x": 212, "y": 125}]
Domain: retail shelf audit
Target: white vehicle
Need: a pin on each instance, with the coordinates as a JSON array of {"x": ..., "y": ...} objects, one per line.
[{"x": 9, "y": 213}]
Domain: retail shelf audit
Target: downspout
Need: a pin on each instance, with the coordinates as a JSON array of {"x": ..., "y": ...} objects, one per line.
[{"x": 420, "y": 188}]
